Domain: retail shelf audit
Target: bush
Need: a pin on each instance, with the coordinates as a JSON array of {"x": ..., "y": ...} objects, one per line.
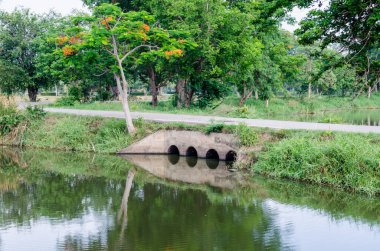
[
  {"x": 66, "y": 101},
  {"x": 34, "y": 113},
  {"x": 214, "y": 128},
  {"x": 8, "y": 122},
  {"x": 247, "y": 136}
]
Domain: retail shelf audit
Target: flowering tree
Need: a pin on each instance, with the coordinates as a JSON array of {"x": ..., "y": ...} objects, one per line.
[{"x": 126, "y": 36}]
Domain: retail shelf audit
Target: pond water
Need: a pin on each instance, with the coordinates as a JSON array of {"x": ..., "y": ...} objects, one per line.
[
  {"x": 352, "y": 117},
  {"x": 68, "y": 201}
]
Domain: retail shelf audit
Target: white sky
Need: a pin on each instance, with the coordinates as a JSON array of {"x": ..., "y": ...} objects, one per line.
[{"x": 65, "y": 7}]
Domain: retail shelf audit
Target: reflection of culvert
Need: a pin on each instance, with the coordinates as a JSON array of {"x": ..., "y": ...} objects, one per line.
[
  {"x": 173, "y": 150},
  {"x": 212, "y": 163},
  {"x": 191, "y": 161},
  {"x": 173, "y": 158},
  {"x": 191, "y": 151},
  {"x": 231, "y": 156}
]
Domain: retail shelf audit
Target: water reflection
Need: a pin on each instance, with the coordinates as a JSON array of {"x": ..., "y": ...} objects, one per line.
[
  {"x": 70, "y": 201},
  {"x": 186, "y": 169}
]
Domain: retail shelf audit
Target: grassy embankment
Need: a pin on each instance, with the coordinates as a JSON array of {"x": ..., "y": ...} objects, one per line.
[
  {"x": 280, "y": 108},
  {"x": 342, "y": 160}
]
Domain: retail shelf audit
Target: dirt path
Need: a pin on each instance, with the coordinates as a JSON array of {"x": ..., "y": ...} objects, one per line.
[{"x": 196, "y": 119}]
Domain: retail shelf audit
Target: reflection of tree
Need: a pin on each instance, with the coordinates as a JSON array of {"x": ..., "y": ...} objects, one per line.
[{"x": 123, "y": 211}]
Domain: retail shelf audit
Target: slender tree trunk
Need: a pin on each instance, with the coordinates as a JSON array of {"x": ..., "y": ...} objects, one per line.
[
  {"x": 369, "y": 91},
  {"x": 153, "y": 86},
  {"x": 256, "y": 95},
  {"x": 32, "y": 93},
  {"x": 246, "y": 94},
  {"x": 123, "y": 96},
  {"x": 123, "y": 88},
  {"x": 309, "y": 90},
  {"x": 267, "y": 103}
]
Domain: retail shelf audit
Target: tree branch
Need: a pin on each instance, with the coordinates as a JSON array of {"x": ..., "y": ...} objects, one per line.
[{"x": 135, "y": 49}]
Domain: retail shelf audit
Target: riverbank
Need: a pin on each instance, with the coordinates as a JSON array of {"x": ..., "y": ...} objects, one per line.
[{"x": 343, "y": 160}]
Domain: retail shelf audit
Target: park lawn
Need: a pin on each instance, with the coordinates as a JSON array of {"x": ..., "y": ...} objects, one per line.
[{"x": 278, "y": 107}]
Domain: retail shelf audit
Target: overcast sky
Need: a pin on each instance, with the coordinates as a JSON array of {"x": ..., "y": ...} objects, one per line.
[
  {"x": 66, "y": 6},
  {"x": 42, "y": 6}
]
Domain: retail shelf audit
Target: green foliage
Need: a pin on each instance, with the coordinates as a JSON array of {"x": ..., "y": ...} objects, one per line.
[
  {"x": 346, "y": 161},
  {"x": 246, "y": 135},
  {"x": 217, "y": 128},
  {"x": 354, "y": 26},
  {"x": 11, "y": 118},
  {"x": 66, "y": 101},
  {"x": 8, "y": 122}
]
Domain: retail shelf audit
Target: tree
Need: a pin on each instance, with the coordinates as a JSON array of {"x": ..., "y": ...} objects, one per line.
[
  {"x": 19, "y": 35},
  {"x": 352, "y": 26},
  {"x": 124, "y": 36}
]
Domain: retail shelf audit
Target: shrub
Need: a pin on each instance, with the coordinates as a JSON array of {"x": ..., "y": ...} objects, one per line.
[
  {"x": 247, "y": 136},
  {"x": 214, "y": 128},
  {"x": 8, "y": 122},
  {"x": 66, "y": 101}
]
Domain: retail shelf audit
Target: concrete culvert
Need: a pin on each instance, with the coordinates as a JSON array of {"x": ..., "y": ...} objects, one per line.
[
  {"x": 173, "y": 150},
  {"x": 212, "y": 154},
  {"x": 191, "y": 151},
  {"x": 231, "y": 156}
]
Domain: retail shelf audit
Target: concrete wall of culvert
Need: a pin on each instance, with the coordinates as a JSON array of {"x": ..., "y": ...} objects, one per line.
[{"x": 186, "y": 143}]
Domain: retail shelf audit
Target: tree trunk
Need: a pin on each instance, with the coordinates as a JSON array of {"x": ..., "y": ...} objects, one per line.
[
  {"x": 246, "y": 95},
  {"x": 309, "y": 90},
  {"x": 123, "y": 88},
  {"x": 124, "y": 101},
  {"x": 267, "y": 103},
  {"x": 369, "y": 91},
  {"x": 153, "y": 86},
  {"x": 32, "y": 93},
  {"x": 180, "y": 90},
  {"x": 256, "y": 95},
  {"x": 189, "y": 97}
]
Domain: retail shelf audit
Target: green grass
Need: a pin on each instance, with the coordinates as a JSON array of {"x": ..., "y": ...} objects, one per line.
[{"x": 347, "y": 161}]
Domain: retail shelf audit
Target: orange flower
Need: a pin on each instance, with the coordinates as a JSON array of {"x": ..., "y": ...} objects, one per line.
[
  {"x": 105, "y": 21},
  {"x": 62, "y": 39},
  {"x": 68, "y": 50},
  {"x": 145, "y": 27},
  {"x": 175, "y": 52},
  {"x": 75, "y": 40}
]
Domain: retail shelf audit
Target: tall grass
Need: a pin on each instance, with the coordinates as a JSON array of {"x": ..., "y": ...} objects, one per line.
[{"x": 346, "y": 161}]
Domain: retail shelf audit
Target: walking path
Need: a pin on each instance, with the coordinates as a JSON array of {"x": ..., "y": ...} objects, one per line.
[{"x": 197, "y": 119}]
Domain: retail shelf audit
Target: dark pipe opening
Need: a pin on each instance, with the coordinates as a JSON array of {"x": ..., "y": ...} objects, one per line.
[
  {"x": 212, "y": 159},
  {"x": 173, "y": 154},
  {"x": 212, "y": 154},
  {"x": 173, "y": 150},
  {"x": 231, "y": 156},
  {"x": 191, "y": 151}
]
